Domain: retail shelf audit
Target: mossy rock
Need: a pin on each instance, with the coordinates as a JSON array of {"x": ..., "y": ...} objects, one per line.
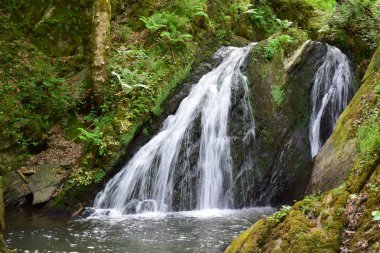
[
  {"x": 316, "y": 223},
  {"x": 280, "y": 80},
  {"x": 312, "y": 225}
]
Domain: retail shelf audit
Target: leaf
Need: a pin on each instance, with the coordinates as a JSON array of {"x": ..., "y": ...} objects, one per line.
[{"x": 375, "y": 215}]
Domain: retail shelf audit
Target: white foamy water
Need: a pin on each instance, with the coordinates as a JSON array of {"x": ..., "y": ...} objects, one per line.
[
  {"x": 332, "y": 90},
  {"x": 147, "y": 181}
]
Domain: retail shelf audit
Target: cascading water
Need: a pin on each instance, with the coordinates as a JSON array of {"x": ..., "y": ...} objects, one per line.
[
  {"x": 148, "y": 182},
  {"x": 332, "y": 90}
]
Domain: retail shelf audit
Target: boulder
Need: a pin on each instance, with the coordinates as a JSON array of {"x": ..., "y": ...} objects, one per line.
[
  {"x": 44, "y": 183},
  {"x": 41, "y": 185},
  {"x": 280, "y": 96}
]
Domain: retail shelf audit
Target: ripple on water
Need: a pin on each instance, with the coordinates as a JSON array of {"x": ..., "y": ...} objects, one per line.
[{"x": 196, "y": 231}]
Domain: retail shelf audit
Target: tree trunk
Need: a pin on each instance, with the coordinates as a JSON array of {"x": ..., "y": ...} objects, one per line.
[{"x": 101, "y": 42}]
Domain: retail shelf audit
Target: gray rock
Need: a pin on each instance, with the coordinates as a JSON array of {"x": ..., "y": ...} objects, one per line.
[{"x": 44, "y": 183}]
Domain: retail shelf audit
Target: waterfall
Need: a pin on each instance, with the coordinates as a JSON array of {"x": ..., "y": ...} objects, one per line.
[
  {"x": 149, "y": 181},
  {"x": 332, "y": 91}
]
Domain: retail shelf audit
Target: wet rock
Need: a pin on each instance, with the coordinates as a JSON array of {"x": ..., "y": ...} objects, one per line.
[
  {"x": 281, "y": 151},
  {"x": 44, "y": 183}
]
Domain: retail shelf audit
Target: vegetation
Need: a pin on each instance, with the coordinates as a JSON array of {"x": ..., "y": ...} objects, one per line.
[
  {"x": 376, "y": 215},
  {"x": 277, "y": 94},
  {"x": 36, "y": 91},
  {"x": 45, "y": 84},
  {"x": 275, "y": 44}
]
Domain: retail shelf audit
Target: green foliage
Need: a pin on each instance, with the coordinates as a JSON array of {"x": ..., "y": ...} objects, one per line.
[
  {"x": 276, "y": 44},
  {"x": 35, "y": 92},
  {"x": 280, "y": 215},
  {"x": 308, "y": 203},
  {"x": 192, "y": 9},
  {"x": 369, "y": 139},
  {"x": 264, "y": 18},
  {"x": 369, "y": 131},
  {"x": 377, "y": 90},
  {"x": 82, "y": 177},
  {"x": 33, "y": 105},
  {"x": 93, "y": 137},
  {"x": 355, "y": 18},
  {"x": 278, "y": 94},
  {"x": 327, "y": 5},
  {"x": 376, "y": 216},
  {"x": 171, "y": 28}
]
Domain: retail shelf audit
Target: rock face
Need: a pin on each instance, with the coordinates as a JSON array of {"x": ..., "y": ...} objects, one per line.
[
  {"x": 332, "y": 165},
  {"x": 280, "y": 100},
  {"x": 341, "y": 219}
]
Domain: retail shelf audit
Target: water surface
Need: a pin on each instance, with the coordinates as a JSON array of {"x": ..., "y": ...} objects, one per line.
[{"x": 195, "y": 231}]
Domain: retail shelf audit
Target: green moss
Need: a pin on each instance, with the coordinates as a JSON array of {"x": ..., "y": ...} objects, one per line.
[
  {"x": 316, "y": 223},
  {"x": 369, "y": 135},
  {"x": 178, "y": 77},
  {"x": 277, "y": 94}
]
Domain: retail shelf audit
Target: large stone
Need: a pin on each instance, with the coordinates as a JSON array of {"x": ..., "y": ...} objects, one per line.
[
  {"x": 281, "y": 151},
  {"x": 44, "y": 183},
  {"x": 16, "y": 190}
]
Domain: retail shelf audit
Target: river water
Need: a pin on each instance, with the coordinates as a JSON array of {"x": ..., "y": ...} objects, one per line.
[{"x": 193, "y": 231}]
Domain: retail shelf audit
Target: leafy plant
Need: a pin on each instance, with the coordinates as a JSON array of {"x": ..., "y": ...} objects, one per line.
[
  {"x": 376, "y": 216},
  {"x": 355, "y": 18},
  {"x": 275, "y": 44},
  {"x": 280, "y": 215},
  {"x": 82, "y": 177},
  {"x": 171, "y": 28},
  {"x": 91, "y": 137},
  {"x": 192, "y": 8}
]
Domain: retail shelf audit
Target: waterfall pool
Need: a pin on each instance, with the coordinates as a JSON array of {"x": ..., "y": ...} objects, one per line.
[{"x": 193, "y": 231}]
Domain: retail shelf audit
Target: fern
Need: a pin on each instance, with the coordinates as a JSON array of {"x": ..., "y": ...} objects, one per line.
[{"x": 91, "y": 137}]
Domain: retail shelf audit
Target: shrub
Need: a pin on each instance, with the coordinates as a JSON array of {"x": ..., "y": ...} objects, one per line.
[
  {"x": 171, "y": 28},
  {"x": 354, "y": 18},
  {"x": 276, "y": 44}
]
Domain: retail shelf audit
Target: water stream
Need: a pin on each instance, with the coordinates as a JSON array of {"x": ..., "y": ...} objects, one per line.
[
  {"x": 332, "y": 90},
  {"x": 161, "y": 177}
]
